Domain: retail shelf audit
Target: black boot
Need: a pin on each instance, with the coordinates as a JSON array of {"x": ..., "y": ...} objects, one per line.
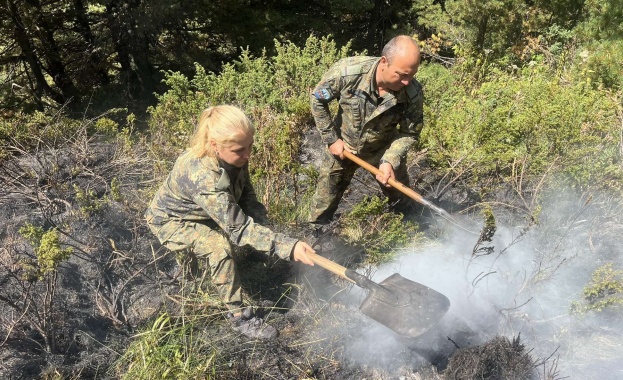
[{"x": 252, "y": 326}]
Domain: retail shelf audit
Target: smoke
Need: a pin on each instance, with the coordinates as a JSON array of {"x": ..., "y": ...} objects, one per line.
[{"x": 526, "y": 286}]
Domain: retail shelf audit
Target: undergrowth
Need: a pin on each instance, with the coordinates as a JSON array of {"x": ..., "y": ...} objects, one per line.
[
  {"x": 171, "y": 347},
  {"x": 379, "y": 232},
  {"x": 47, "y": 247},
  {"x": 604, "y": 291}
]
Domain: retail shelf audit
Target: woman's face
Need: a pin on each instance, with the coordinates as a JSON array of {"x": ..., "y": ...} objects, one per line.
[{"x": 236, "y": 153}]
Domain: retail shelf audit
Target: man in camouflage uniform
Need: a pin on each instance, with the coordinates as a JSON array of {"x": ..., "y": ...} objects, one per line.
[{"x": 379, "y": 116}]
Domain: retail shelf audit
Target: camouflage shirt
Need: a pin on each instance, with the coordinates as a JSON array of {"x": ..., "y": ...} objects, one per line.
[
  {"x": 200, "y": 190},
  {"x": 365, "y": 121}
]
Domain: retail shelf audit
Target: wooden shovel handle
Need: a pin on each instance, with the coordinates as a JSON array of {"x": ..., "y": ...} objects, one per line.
[
  {"x": 395, "y": 184},
  {"x": 329, "y": 265},
  {"x": 407, "y": 191}
]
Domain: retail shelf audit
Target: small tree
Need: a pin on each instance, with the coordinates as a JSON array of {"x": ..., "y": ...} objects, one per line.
[{"x": 29, "y": 284}]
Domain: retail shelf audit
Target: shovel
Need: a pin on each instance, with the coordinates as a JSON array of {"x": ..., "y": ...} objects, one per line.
[
  {"x": 406, "y": 190},
  {"x": 408, "y": 308}
]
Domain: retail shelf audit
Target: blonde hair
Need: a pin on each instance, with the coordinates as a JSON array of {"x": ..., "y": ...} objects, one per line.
[{"x": 224, "y": 124}]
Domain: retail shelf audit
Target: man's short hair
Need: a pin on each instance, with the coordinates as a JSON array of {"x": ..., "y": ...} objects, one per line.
[{"x": 394, "y": 46}]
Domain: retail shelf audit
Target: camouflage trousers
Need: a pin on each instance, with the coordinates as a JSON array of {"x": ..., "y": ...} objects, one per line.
[
  {"x": 203, "y": 251},
  {"x": 334, "y": 177}
]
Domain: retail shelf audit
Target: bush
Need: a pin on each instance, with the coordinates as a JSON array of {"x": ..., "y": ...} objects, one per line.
[
  {"x": 600, "y": 65},
  {"x": 30, "y": 283},
  {"x": 604, "y": 291},
  {"x": 280, "y": 84},
  {"x": 524, "y": 126},
  {"x": 47, "y": 247},
  {"x": 26, "y": 131},
  {"x": 274, "y": 91},
  {"x": 371, "y": 226}
]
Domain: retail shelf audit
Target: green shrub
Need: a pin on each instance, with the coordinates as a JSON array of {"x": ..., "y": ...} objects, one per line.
[
  {"x": 281, "y": 84},
  {"x": 47, "y": 248},
  {"x": 603, "y": 20},
  {"x": 275, "y": 166},
  {"x": 605, "y": 290},
  {"x": 442, "y": 89},
  {"x": 106, "y": 126},
  {"x": 274, "y": 92},
  {"x": 532, "y": 121},
  {"x": 370, "y": 225},
  {"x": 88, "y": 201},
  {"x": 487, "y": 233},
  {"x": 115, "y": 189},
  {"x": 26, "y": 131},
  {"x": 600, "y": 65}
]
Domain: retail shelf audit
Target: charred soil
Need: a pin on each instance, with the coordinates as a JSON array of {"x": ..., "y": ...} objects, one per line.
[{"x": 77, "y": 321}]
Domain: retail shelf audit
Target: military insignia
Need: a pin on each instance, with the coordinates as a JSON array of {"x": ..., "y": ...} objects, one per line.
[{"x": 323, "y": 94}]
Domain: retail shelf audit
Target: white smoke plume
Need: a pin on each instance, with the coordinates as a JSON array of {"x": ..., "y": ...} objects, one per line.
[{"x": 526, "y": 286}]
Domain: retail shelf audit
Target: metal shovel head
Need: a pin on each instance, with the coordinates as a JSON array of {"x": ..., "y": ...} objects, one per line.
[{"x": 405, "y": 306}]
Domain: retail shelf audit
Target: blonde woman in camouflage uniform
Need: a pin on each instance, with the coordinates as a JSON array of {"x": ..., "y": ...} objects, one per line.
[
  {"x": 379, "y": 116},
  {"x": 208, "y": 202}
]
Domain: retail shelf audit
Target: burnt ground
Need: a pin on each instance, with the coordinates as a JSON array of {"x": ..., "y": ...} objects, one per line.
[{"x": 78, "y": 322}]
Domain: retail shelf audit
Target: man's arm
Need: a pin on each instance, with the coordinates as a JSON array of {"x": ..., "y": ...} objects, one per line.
[
  {"x": 410, "y": 127},
  {"x": 326, "y": 91}
]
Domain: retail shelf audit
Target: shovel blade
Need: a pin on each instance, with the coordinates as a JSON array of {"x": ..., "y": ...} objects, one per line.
[{"x": 419, "y": 309}]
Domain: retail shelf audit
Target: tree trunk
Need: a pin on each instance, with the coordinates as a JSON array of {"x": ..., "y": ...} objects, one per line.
[
  {"x": 132, "y": 49},
  {"x": 483, "y": 24},
  {"x": 374, "y": 40},
  {"x": 84, "y": 29},
  {"x": 41, "y": 86},
  {"x": 128, "y": 75},
  {"x": 55, "y": 65}
]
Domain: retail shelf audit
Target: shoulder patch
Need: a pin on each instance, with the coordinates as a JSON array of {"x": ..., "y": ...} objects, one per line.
[{"x": 323, "y": 93}]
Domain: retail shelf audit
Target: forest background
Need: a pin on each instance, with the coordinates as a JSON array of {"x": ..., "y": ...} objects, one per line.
[{"x": 522, "y": 99}]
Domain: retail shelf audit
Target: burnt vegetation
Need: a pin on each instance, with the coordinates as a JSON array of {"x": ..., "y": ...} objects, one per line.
[{"x": 522, "y": 145}]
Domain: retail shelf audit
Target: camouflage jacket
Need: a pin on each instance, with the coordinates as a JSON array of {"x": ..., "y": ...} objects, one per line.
[
  {"x": 200, "y": 190},
  {"x": 364, "y": 121}
]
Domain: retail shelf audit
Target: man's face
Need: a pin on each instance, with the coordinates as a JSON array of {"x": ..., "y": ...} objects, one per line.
[{"x": 399, "y": 72}]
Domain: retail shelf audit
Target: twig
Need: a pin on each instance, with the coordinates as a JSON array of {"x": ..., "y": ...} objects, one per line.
[{"x": 516, "y": 307}]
